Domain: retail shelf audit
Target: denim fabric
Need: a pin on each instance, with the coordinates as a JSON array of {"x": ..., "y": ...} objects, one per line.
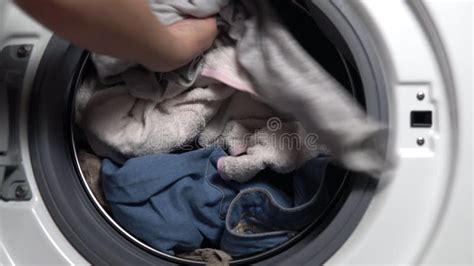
[
  {"x": 170, "y": 201},
  {"x": 261, "y": 217},
  {"x": 178, "y": 202}
]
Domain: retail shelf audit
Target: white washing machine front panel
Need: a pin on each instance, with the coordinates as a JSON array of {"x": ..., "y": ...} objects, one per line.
[
  {"x": 412, "y": 204},
  {"x": 28, "y": 234},
  {"x": 422, "y": 211}
]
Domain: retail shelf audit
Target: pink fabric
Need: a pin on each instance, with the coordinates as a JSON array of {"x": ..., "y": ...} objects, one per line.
[
  {"x": 221, "y": 64},
  {"x": 237, "y": 150},
  {"x": 228, "y": 79},
  {"x": 221, "y": 170}
]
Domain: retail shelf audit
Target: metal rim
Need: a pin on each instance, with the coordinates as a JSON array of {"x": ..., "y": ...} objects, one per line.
[
  {"x": 245, "y": 260},
  {"x": 44, "y": 151}
]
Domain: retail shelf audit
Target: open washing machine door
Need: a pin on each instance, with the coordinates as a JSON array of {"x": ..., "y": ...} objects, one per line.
[{"x": 410, "y": 60}]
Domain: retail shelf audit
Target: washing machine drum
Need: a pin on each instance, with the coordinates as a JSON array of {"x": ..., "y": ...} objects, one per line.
[{"x": 101, "y": 240}]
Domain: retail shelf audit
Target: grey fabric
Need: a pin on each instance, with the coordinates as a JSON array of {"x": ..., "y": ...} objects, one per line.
[
  {"x": 212, "y": 257},
  {"x": 283, "y": 149},
  {"x": 257, "y": 137},
  {"x": 240, "y": 107},
  {"x": 84, "y": 93},
  {"x": 120, "y": 124},
  {"x": 109, "y": 69},
  {"x": 147, "y": 113},
  {"x": 172, "y": 11},
  {"x": 220, "y": 63},
  {"x": 285, "y": 76},
  {"x": 90, "y": 167}
]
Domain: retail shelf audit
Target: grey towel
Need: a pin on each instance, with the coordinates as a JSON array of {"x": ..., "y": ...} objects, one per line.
[
  {"x": 90, "y": 167},
  {"x": 258, "y": 137},
  {"x": 120, "y": 126},
  {"x": 212, "y": 257},
  {"x": 286, "y": 77}
]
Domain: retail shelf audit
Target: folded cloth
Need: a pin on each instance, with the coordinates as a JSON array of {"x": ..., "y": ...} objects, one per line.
[
  {"x": 178, "y": 202},
  {"x": 212, "y": 257}
]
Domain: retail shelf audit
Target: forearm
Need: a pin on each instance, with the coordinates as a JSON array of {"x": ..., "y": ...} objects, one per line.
[{"x": 125, "y": 29}]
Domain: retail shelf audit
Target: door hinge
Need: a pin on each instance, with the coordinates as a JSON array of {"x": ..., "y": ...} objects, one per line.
[{"x": 13, "y": 63}]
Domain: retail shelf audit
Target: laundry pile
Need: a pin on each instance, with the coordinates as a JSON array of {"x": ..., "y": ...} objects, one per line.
[{"x": 195, "y": 158}]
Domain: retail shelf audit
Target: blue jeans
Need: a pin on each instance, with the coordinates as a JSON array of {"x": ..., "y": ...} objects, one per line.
[
  {"x": 178, "y": 202},
  {"x": 262, "y": 217}
]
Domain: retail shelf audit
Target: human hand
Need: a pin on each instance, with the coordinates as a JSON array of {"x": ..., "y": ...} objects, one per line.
[
  {"x": 125, "y": 29},
  {"x": 189, "y": 38},
  {"x": 194, "y": 35}
]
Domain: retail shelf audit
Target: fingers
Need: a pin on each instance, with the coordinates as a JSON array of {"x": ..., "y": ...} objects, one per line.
[
  {"x": 206, "y": 32},
  {"x": 194, "y": 36}
]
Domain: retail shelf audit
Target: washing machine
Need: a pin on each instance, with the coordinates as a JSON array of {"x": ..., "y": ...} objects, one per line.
[{"x": 408, "y": 63}]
